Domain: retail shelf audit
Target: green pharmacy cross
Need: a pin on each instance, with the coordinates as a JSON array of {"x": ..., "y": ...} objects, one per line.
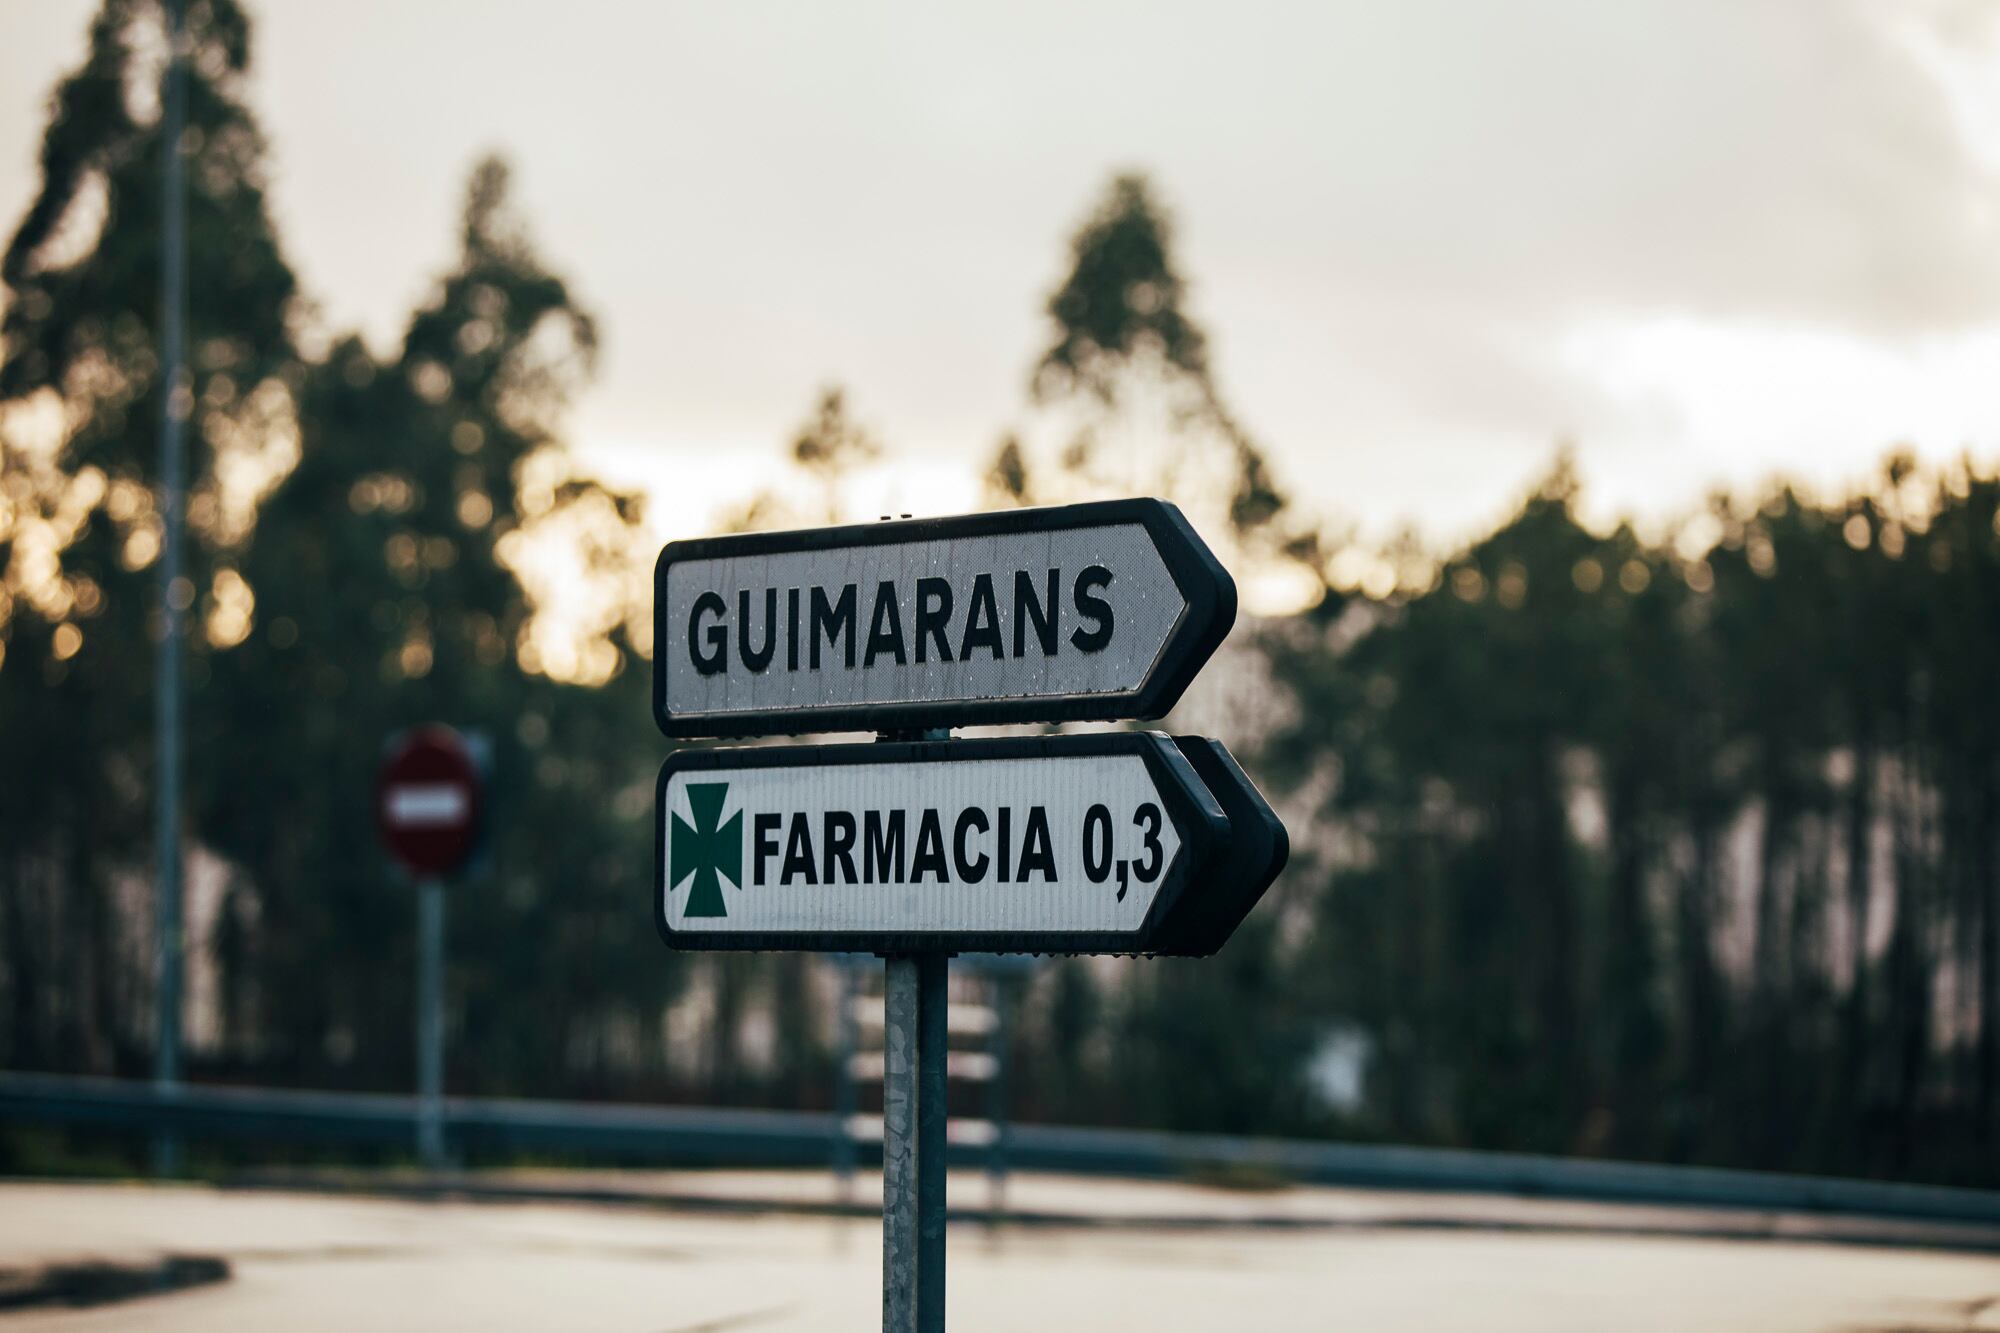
[{"x": 708, "y": 848}]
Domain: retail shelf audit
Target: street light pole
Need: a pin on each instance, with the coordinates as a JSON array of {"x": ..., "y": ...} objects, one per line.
[{"x": 175, "y": 402}]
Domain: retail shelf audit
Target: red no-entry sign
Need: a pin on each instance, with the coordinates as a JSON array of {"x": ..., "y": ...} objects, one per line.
[{"x": 427, "y": 801}]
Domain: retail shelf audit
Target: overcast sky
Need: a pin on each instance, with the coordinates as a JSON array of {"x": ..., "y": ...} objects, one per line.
[{"x": 1705, "y": 240}]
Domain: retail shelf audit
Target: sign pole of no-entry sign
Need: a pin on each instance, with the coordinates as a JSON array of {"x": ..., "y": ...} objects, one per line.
[
  {"x": 920, "y": 846},
  {"x": 427, "y": 808}
]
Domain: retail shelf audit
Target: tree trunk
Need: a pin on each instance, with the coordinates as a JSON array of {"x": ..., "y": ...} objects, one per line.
[
  {"x": 1860, "y": 893},
  {"x": 1980, "y": 866},
  {"x": 1770, "y": 986},
  {"x": 1695, "y": 933},
  {"x": 1627, "y": 976},
  {"x": 1549, "y": 882},
  {"x": 728, "y": 1015},
  {"x": 25, "y": 988},
  {"x": 1910, "y": 984}
]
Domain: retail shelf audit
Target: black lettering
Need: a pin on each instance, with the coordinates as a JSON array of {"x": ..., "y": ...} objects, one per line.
[
  {"x": 969, "y": 871},
  {"x": 837, "y": 839},
  {"x": 1005, "y": 845},
  {"x": 885, "y": 626},
  {"x": 1093, "y": 607},
  {"x": 833, "y": 620},
  {"x": 978, "y": 634},
  {"x": 791, "y": 629},
  {"x": 1097, "y": 843},
  {"x": 766, "y": 845},
  {"x": 1044, "y": 612},
  {"x": 709, "y": 603},
  {"x": 798, "y": 853},
  {"x": 882, "y": 847},
  {"x": 756, "y": 658},
  {"x": 933, "y": 615},
  {"x": 930, "y": 851},
  {"x": 1036, "y": 853}
]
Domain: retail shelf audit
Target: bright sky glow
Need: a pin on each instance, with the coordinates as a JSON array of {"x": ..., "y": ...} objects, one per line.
[{"x": 1702, "y": 241}]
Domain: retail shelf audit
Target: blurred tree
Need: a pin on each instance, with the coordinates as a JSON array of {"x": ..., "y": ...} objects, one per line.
[
  {"x": 829, "y": 448},
  {"x": 1681, "y": 850},
  {"x": 1128, "y": 374},
  {"x": 1060, "y": 1044},
  {"x": 80, "y": 398},
  {"x": 1677, "y": 845},
  {"x": 1215, "y": 1044},
  {"x": 826, "y": 451},
  {"x": 389, "y": 567},
  {"x": 1007, "y": 483}
]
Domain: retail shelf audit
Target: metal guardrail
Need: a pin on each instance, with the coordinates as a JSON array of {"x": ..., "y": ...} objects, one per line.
[
  {"x": 716, "y": 1136},
  {"x": 705, "y": 1135}
]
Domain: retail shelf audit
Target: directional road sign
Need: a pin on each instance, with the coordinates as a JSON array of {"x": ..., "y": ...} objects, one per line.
[
  {"x": 1208, "y": 913},
  {"x": 1100, "y": 610},
  {"x": 1060, "y": 844},
  {"x": 427, "y": 801}
]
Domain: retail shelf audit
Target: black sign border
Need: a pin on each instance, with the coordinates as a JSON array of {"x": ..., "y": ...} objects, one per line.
[
  {"x": 1198, "y": 816},
  {"x": 1209, "y": 913},
  {"x": 1206, "y": 586}
]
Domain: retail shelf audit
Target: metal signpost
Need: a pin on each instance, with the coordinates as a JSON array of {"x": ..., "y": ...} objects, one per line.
[
  {"x": 921, "y": 846},
  {"x": 427, "y": 805}
]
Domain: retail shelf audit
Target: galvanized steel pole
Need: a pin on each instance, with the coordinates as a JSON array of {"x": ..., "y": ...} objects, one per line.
[
  {"x": 899, "y": 1147},
  {"x": 914, "y": 1037},
  {"x": 933, "y": 1000},
  {"x": 430, "y": 1025}
]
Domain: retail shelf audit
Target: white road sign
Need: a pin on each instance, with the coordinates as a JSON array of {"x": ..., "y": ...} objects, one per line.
[
  {"x": 1097, "y": 610},
  {"x": 1069, "y": 843}
]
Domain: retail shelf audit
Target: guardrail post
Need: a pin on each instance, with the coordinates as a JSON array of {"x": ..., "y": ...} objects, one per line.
[
  {"x": 843, "y": 1085},
  {"x": 996, "y": 1103}
]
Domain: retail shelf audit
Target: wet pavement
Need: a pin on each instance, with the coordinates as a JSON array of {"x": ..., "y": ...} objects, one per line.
[{"x": 318, "y": 1261}]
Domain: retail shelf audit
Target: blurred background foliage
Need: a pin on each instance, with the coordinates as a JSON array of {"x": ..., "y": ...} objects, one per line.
[{"x": 1675, "y": 844}]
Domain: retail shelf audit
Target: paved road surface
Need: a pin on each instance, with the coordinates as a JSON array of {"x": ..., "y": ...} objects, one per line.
[{"x": 319, "y": 1262}]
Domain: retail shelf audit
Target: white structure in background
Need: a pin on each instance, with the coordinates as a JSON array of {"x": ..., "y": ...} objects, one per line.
[
  {"x": 976, "y": 1022},
  {"x": 1338, "y": 1071}
]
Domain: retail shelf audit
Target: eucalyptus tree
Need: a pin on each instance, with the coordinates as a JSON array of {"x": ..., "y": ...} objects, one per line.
[
  {"x": 80, "y": 399},
  {"x": 402, "y": 576}
]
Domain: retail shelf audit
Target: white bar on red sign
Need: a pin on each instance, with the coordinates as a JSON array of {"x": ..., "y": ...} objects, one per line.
[{"x": 429, "y": 805}]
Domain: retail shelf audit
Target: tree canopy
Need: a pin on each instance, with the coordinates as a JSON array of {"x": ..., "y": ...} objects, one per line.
[{"x": 1679, "y": 845}]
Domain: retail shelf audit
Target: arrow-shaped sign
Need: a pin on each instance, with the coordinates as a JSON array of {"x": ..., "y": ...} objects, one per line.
[
  {"x": 1102, "y": 610},
  {"x": 1060, "y": 844},
  {"x": 1208, "y": 912}
]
